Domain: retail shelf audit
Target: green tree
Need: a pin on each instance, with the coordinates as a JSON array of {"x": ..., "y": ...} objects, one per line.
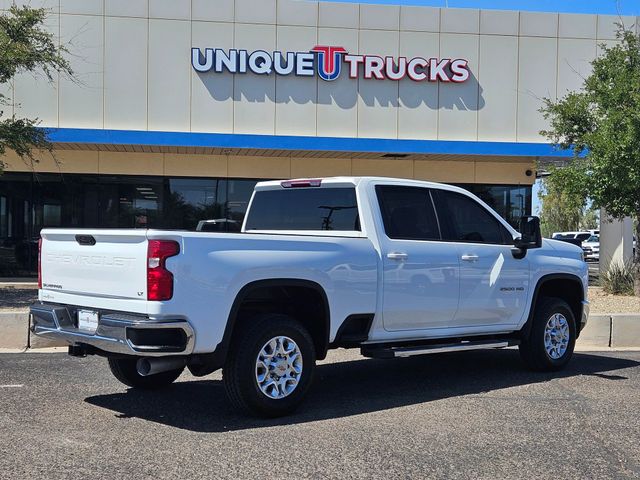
[
  {"x": 25, "y": 46},
  {"x": 561, "y": 210},
  {"x": 601, "y": 124}
]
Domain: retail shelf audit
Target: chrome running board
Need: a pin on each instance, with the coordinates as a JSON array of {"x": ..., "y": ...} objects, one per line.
[{"x": 410, "y": 351}]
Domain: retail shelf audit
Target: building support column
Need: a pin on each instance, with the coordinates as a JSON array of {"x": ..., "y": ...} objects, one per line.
[{"x": 616, "y": 241}]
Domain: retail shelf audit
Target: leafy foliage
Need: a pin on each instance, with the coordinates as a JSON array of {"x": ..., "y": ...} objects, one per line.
[
  {"x": 25, "y": 46},
  {"x": 601, "y": 124},
  {"x": 619, "y": 279}
]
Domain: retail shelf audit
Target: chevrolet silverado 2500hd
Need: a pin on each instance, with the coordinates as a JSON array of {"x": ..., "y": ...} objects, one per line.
[{"x": 393, "y": 267}]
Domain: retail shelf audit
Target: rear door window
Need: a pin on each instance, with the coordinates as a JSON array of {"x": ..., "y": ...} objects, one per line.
[
  {"x": 407, "y": 213},
  {"x": 304, "y": 209}
]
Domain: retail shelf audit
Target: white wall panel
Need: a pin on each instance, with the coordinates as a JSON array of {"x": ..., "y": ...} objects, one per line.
[
  {"x": 337, "y": 111},
  {"x": 214, "y": 11},
  {"x": 34, "y": 95},
  {"x": 296, "y": 96},
  {"x": 607, "y": 27},
  {"x": 125, "y": 73},
  {"x": 419, "y": 19},
  {"x": 418, "y": 104},
  {"x": 577, "y": 26},
  {"x": 212, "y": 93},
  {"x": 499, "y": 22},
  {"x": 170, "y": 9},
  {"x": 256, "y": 11},
  {"x": 52, "y": 5},
  {"x": 498, "y": 94},
  {"x": 169, "y": 88},
  {"x": 536, "y": 80},
  {"x": 81, "y": 99},
  {"x": 459, "y": 102},
  {"x": 379, "y": 17},
  {"x": 460, "y": 20},
  {"x": 82, "y": 7},
  {"x": 378, "y": 99},
  {"x": 297, "y": 12},
  {"x": 538, "y": 24},
  {"x": 254, "y": 95},
  {"x": 343, "y": 15},
  {"x": 127, "y": 8},
  {"x": 574, "y": 63}
]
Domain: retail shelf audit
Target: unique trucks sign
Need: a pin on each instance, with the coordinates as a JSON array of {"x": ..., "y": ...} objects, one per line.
[{"x": 327, "y": 62}]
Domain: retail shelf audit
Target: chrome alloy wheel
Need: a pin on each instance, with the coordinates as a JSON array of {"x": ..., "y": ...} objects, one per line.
[
  {"x": 556, "y": 336},
  {"x": 278, "y": 367}
]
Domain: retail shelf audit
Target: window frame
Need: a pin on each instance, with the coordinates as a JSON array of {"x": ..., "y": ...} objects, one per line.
[
  {"x": 446, "y": 227},
  {"x": 377, "y": 192}
]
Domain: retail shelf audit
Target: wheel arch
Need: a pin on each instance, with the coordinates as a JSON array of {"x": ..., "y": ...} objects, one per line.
[
  {"x": 565, "y": 286},
  {"x": 304, "y": 300}
]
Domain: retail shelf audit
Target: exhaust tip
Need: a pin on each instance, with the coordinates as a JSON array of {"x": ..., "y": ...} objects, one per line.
[{"x": 143, "y": 366}]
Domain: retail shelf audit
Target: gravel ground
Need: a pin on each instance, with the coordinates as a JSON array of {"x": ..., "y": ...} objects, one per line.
[
  {"x": 473, "y": 415},
  {"x": 602, "y": 302},
  {"x": 15, "y": 299}
]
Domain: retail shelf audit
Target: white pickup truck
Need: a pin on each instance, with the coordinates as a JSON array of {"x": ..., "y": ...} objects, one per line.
[{"x": 393, "y": 267}]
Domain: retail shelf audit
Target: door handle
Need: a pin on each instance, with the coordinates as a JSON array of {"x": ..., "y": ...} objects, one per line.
[
  {"x": 397, "y": 256},
  {"x": 469, "y": 258}
]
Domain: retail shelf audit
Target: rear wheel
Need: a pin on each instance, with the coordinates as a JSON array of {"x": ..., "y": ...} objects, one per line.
[
  {"x": 551, "y": 341},
  {"x": 125, "y": 370},
  {"x": 270, "y": 366}
]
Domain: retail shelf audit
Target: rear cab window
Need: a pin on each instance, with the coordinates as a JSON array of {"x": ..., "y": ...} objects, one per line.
[{"x": 308, "y": 209}]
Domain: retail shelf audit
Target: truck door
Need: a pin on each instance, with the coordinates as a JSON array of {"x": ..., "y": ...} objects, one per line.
[
  {"x": 493, "y": 284},
  {"x": 420, "y": 273}
]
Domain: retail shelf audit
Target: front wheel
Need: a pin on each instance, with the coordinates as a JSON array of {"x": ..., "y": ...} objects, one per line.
[
  {"x": 552, "y": 338},
  {"x": 270, "y": 366},
  {"x": 125, "y": 370}
]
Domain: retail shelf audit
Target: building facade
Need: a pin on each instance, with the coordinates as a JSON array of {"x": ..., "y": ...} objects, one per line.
[{"x": 177, "y": 107}]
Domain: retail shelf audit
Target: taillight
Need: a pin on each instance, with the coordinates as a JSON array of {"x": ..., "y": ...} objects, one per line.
[
  {"x": 40, "y": 263},
  {"x": 159, "y": 279}
]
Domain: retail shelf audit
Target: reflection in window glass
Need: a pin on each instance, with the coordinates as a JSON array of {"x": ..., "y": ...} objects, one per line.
[
  {"x": 191, "y": 201},
  {"x": 238, "y": 196},
  {"x": 465, "y": 220},
  {"x": 510, "y": 201},
  {"x": 305, "y": 209},
  {"x": 131, "y": 202}
]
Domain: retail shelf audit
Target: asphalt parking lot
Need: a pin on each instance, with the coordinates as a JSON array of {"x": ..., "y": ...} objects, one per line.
[{"x": 470, "y": 415}]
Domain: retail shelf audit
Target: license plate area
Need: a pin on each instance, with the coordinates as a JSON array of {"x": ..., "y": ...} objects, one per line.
[{"x": 87, "y": 321}]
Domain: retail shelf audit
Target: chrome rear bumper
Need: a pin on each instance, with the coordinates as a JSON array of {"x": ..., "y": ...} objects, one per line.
[{"x": 117, "y": 332}]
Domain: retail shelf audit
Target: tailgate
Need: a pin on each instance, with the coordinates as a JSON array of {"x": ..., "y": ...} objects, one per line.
[{"x": 98, "y": 263}]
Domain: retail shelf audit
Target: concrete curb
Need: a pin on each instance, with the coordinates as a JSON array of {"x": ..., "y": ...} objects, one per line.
[
  {"x": 14, "y": 330},
  {"x": 606, "y": 331}
]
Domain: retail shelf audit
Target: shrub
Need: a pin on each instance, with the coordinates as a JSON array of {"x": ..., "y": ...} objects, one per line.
[{"x": 618, "y": 280}]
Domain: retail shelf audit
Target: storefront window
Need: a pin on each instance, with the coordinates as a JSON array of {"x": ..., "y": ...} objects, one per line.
[
  {"x": 191, "y": 201},
  {"x": 131, "y": 202},
  {"x": 29, "y": 203}
]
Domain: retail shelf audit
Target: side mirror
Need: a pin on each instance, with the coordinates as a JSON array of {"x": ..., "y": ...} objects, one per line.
[{"x": 530, "y": 236}]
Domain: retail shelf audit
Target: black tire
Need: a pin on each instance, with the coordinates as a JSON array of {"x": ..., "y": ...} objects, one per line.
[
  {"x": 239, "y": 372},
  {"x": 124, "y": 369},
  {"x": 533, "y": 350}
]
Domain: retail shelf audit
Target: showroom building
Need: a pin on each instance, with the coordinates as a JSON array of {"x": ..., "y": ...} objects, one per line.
[{"x": 178, "y": 107}]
